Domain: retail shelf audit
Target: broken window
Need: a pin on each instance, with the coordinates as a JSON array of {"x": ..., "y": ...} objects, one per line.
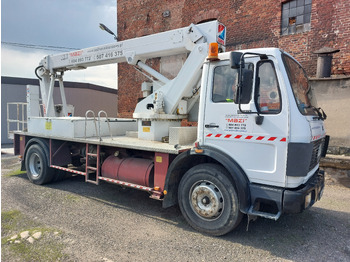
[{"x": 296, "y": 17}]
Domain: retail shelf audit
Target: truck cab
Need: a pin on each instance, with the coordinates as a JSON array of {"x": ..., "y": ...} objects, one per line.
[{"x": 263, "y": 115}]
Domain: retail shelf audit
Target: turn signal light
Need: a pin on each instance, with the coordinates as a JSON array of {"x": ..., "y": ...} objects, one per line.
[
  {"x": 197, "y": 149},
  {"x": 213, "y": 52}
]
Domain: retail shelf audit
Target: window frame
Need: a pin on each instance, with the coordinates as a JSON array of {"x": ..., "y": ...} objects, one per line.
[{"x": 301, "y": 10}]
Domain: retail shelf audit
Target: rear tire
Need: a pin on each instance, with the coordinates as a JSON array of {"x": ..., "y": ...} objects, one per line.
[
  {"x": 37, "y": 166},
  {"x": 208, "y": 200}
]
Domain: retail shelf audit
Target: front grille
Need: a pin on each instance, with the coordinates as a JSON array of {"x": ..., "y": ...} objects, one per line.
[{"x": 316, "y": 153}]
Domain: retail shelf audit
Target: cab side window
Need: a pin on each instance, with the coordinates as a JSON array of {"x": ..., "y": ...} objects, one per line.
[
  {"x": 267, "y": 92},
  {"x": 224, "y": 84}
]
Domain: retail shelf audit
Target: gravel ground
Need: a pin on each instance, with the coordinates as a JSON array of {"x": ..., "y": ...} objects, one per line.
[{"x": 108, "y": 223}]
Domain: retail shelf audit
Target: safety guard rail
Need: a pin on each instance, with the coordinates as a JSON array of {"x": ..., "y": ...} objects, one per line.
[
  {"x": 98, "y": 131},
  {"x": 19, "y": 122}
]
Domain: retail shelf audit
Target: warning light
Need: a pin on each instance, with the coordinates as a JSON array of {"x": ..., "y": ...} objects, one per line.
[{"x": 213, "y": 52}]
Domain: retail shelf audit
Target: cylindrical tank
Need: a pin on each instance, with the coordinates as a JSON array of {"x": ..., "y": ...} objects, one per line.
[
  {"x": 110, "y": 167},
  {"x": 138, "y": 171}
]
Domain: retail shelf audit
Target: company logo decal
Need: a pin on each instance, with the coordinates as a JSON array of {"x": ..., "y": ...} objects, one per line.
[{"x": 221, "y": 34}]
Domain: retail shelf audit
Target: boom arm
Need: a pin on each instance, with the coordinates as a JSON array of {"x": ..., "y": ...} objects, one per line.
[{"x": 193, "y": 39}]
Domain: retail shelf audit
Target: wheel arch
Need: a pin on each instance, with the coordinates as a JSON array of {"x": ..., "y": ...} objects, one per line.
[
  {"x": 190, "y": 158},
  {"x": 181, "y": 164}
]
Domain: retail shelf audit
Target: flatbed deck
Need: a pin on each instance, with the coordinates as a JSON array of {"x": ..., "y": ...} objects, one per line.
[{"x": 120, "y": 141}]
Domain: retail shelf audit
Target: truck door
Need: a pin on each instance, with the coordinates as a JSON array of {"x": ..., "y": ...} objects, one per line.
[{"x": 260, "y": 149}]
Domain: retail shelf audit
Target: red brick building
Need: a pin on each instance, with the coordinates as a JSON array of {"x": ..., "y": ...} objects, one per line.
[{"x": 299, "y": 27}]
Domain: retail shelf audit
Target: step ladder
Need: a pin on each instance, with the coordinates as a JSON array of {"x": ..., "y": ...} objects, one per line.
[
  {"x": 252, "y": 212},
  {"x": 92, "y": 172}
]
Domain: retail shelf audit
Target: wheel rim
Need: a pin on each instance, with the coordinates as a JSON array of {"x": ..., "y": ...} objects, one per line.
[
  {"x": 35, "y": 165},
  {"x": 206, "y": 200}
]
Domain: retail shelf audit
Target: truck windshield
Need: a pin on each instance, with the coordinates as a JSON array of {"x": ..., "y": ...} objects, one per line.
[{"x": 300, "y": 85}]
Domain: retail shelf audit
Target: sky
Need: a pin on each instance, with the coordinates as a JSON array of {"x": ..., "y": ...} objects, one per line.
[{"x": 57, "y": 23}]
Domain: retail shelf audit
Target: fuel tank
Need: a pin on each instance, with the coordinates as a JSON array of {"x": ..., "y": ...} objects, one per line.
[{"x": 138, "y": 171}]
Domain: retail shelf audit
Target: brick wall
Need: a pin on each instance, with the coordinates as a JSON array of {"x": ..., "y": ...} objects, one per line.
[{"x": 249, "y": 23}]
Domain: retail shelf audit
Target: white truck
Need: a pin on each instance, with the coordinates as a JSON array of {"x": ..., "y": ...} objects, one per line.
[{"x": 255, "y": 149}]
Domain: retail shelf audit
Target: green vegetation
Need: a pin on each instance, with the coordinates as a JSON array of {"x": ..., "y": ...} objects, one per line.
[
  {"x": 46, "y": 248},
  {"x": 15, "y": 173},
  {"x": 72, "y": 198}
]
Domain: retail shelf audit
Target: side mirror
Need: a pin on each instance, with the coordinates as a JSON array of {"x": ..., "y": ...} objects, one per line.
[
  {"x": 244, "y": 91},
  {"x": 235, "y": 60}
]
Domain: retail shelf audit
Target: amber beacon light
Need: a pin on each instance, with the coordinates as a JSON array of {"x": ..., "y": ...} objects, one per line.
[{"x": 213, "y": 51}]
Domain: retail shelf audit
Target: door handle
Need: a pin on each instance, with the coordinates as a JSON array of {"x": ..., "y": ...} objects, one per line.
[{"x": 211, "y": 126}]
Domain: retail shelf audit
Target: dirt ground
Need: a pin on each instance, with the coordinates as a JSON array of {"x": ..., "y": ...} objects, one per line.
[{"x": 108, "y": 223}]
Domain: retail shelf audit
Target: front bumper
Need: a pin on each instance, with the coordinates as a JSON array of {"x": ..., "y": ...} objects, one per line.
[{"x": 295, "y": 201}]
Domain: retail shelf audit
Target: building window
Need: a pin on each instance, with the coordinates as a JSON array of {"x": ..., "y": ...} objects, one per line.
[{"x": 296, "y": 17}]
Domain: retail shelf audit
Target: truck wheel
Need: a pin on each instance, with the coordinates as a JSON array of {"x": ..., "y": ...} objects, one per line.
[
  {"x": 38, "y": 170},
  {"x": 208, "y": 200}
]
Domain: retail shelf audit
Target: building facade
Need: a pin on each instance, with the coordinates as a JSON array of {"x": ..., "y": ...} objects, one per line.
[
  {"x": 82, "y": 96},
  {"x": 299, "y": 27}
]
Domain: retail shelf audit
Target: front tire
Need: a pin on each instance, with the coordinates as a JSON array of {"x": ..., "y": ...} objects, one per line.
[
  {"x": 208, "y": 200},
  {"x": 37, "y": 166}
]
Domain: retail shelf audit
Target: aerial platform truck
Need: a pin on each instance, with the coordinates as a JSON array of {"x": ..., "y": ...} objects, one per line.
[{"x": 255, "y": 150}]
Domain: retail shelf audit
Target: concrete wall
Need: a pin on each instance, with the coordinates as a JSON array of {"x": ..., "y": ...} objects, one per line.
[
  {"x": 333, "y": 96},
  {"x": 83, "y": 96}
]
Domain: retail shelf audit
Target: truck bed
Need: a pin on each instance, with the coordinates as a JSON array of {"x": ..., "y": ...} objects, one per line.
[{"x": 120, "y": 141}]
